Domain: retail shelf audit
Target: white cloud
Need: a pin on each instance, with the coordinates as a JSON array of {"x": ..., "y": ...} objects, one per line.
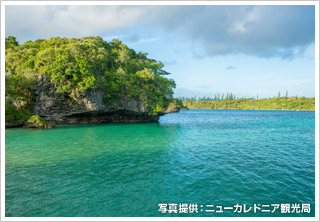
[
  {"x": 264, "y": 31},
  {"x": 143, "y": 40},
  {"x": 242, "y": 24},
  {"x": 76, "y": 21},
  {"x": 111, "y": 37}
]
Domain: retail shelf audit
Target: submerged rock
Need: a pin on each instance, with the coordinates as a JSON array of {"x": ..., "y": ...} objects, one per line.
[{"x": 36, "y": 121}]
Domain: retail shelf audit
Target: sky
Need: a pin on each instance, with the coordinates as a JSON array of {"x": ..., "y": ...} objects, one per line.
[{"x": 249, "y": 51}]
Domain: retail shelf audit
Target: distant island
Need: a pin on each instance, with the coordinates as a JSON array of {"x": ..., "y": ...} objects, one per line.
[
  {"x": 229, "y": 101},
  {"x": 83, "y": 81}
]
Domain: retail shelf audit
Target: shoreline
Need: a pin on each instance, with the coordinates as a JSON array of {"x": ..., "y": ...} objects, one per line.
[
  {"x": 256, "y": 109},
  {"x": 103, "y": 123}
]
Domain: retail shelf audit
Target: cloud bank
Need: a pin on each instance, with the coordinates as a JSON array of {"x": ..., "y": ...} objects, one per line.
[{"x": 263, "y": 31}]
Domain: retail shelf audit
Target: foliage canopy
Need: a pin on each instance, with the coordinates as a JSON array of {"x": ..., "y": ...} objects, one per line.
[
  {"x": 77, "y": 64},
  {"x": 230, "y": 101}
]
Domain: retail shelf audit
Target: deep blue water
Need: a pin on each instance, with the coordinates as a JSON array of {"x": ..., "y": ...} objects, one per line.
[{"x": 204, "y": 157}]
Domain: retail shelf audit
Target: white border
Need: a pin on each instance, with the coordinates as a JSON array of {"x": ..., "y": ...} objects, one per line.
[
  {"x": 248, "y": 2},
  {"x": 317, "y": 109},
  {"x": 315, "y": 3}
]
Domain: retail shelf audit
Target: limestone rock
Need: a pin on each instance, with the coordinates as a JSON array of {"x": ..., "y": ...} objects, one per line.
[{"x": 59, "y": 108}]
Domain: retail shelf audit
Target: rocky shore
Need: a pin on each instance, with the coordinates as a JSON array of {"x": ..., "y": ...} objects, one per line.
[{"x": 59, "y": 109}]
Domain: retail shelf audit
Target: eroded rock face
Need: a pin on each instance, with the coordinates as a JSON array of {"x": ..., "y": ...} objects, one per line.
[
  {"x": 13, "y": 124},
  {"x": 36, "y": 125},
  {"x": 59, "y": 108}
]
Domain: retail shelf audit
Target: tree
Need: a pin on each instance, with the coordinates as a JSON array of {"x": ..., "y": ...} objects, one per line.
[
  {"x": 76, "y": 65},
  {"x": 11, "y": 42},
  {"x": 291, "y": 103}
]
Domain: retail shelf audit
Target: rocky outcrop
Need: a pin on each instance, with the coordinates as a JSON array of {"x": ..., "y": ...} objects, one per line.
[
  {"x": 13, "y": 124},
  {"x": 36, "y": 121},
  {"x": 56, "y": 108}
]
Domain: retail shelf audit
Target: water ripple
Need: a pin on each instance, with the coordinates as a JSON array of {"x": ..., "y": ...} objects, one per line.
[{"x": 219, "y": 157}]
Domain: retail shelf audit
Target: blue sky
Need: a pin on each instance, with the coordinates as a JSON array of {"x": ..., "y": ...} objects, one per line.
[{"x": 246, "y": 50}]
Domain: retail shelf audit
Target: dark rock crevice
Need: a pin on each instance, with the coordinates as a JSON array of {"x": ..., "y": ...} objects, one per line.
[
  {"x": 59, "y": 108},
  {"x": 110, "y": 117}
]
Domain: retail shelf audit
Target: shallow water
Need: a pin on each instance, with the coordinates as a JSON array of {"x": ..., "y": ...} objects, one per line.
[{"x": 204, "y": 157}]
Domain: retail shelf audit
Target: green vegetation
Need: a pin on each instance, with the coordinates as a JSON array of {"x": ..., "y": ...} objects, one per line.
[
  {"x": 232, "y": 102},
  {"x": 14, "y": 114},
  {"x": 37, "y": 121},
  {"x": 174, "y": 106},
  {"x": 75, "y": 65},
  {"x": 19, "y": 96}
]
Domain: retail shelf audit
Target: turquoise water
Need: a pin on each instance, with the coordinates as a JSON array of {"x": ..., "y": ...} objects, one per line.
[{"x": 203, "y": 157}]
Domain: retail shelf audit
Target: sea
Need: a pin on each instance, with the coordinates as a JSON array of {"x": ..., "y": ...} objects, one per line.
[{"x": 195, "y": 163}]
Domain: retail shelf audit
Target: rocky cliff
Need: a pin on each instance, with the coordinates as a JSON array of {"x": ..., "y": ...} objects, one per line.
[
  {"x": 83, "y": 81},
  {"x": 90, "y": 108}
]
